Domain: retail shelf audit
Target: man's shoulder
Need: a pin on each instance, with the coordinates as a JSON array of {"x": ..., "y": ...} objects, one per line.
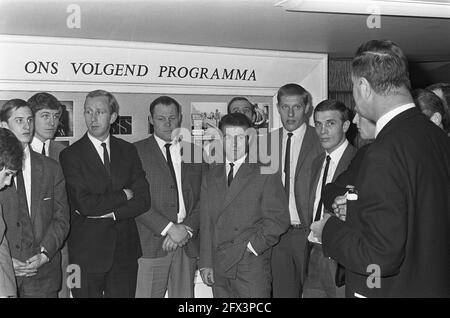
[{"x": 142, "y": 143}]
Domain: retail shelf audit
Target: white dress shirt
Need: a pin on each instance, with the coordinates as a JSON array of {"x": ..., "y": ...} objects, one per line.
[
  {"x": 296, "y": 146},
  {"x": 335, "y": 156},
  {"x": 36, "y": 145},
  {"x": 386, "y": 118},
  {"x": 175, "y": 154}
]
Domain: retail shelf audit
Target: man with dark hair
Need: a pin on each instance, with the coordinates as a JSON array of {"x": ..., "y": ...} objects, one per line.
[
  {"x": 394, "y": 241},
  {"x": 243, "y": 212},
  {"x": 107, "y": 189},
  {"x": 47, "y": 113},
  {"x": 296, "y": 148},
  {"x": 169, "y": 229},
  {"x": 36, "y": 211},
  {"x": 11, "y": 155},
  {"x": 331, "y": 119},
  {"x": 242, "y": 105},
  {"x": 442, "y": 90},
  {"x": 430, "y": 105}
]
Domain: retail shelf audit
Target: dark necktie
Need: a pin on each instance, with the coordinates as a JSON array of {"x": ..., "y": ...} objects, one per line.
[
  {"x": 43, "y": 149},
  {"x": 21, "y": 192},
  {"x": 287, "y": 165},
  {"x": 106, "y": 159},
  {"x": 172, "y": 170},
  {"x": 230, "y": 174},
  {"x": 324, "y": 180}
]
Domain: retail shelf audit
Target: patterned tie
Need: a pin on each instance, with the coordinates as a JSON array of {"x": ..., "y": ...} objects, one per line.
[
  {"x": 324, "y": 180},
  {"x": 106, "y": 159}
]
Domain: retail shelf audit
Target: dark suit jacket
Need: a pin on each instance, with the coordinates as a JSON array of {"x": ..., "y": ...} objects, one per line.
[
  {"x": 54, "y": 149},
  {"x": 7, "y": 279},
  {"x": 309, "y": 150},
  {"x": 253, "y": 209},
  {"x": 92, "y": 242},
  {"x": 49, "y": 218},
  {"x": 401, "y": 219},
  {"x": 338, "y": 186},
  {"x": 163, "y": 192},
  {"x": 316, "y": 168}
]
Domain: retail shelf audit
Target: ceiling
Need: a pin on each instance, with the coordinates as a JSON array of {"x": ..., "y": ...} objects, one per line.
[{"x": 234, "y": 23}]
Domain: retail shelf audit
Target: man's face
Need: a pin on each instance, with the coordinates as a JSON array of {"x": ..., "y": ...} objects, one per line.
[
  {"x": 366, "y": 128},
  {"x": 330, "y": 128},
  {"x": 165, "y": 120},
  {"x": 243, "y": 107},
  {"x": 98, "y": 117},
  {"x": 46, "y": 122},
  {"x": 235, "y": 142},
  {"x": 21, "y": 124},
  {"x": 292, "y": 111},
  {"x": 6, "y": 176}
]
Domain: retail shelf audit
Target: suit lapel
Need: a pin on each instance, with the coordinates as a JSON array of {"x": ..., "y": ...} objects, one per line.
[
  {"x": 239, "y": 181},
  {"x": 304, "y": 150},
  {"x": 115, "y": 156},
  {"x": 92, "y": 156},
  {"x": 158, "y": 155},
  {"x": 347, "y": 157},
  {"x": 315, "y": 175},
  {"x": 37, "y": 175}
]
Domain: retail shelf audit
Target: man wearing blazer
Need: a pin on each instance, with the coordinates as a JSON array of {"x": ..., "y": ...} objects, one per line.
[
  {"x": 395, "y": 240},
  {"x": 243, "y": 212},
  {"x": 47, "y": 113},
  {"x": 296, "y": 145},
  {"x": 107, "y": 189},
  {"x": 10, "y": 162},
  {"x": 35, "y": 211},
  {"x": 331, "y": 119},
  {"x": 169, "y": 229}
]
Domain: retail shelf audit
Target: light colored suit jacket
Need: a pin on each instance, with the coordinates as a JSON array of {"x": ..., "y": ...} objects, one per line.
[
  {"x": 253, "y": 209},
  {"x": 163, "y": 192},
  {"x": 7, "y": 279}
]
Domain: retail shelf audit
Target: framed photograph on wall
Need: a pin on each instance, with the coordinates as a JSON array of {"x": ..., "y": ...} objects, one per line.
[{"x": 65, "y": 127}]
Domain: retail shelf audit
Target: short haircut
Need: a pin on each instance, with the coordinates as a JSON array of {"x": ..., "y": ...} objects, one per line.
[
  {"x": 10, "y": 106},
  {"x": 112, "y": 102},
  {"x": 332, "y": 104},
  {"x": 235, "y": 120},
  {"x": 11, "y": 151},
  {"x": 294, "y": 90},
  {"x": 445, "y": 88},
  {"x": 43, "y": 100},
  {"x": 165, "y": 100},
  {"x": 428, "y": 102},
  {"x": 239, "y": 98},
  {"x": 383, "y": 64}
]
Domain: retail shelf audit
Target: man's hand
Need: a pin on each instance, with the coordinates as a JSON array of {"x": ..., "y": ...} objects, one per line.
[
  {"x": 207, "y": 275},
  {"x": 317, "y": 227},
  {"x": 178, "y": 234},
  {"x": 340, "y": 207},
  {"x": 169, "y": 245},
  {"x": 37, "y": 261},
  {"x": 23, "y": 269},
  {"x": 129, "y": 193}
]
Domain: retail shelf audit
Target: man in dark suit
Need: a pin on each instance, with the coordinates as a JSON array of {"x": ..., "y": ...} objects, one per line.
[
  {"x": 47, "y": 112},
  {"x": 107, "y": 189},
  {"x": 394, "y": 242},
  {"x": 243, "y": 212},
  {"x": 294, "y": 147},
  {"x": 11, "y": 156},
  {"x": 169, "y": 230},
  {"x": 35, "y": 210},
  {"x": 331, "y": 120}
]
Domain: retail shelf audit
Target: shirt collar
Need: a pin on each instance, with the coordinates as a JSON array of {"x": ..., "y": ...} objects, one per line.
[
  {"x": 336, "y": 155},
  {"x": 36, "y": 144},
  {"x": 162, "y": 142},
  {"x": 386, "y": 118},
  {"x": 298, "y": 133},
  {"x": 97, "y": 143},
  {"x": 237, "y": 162}
]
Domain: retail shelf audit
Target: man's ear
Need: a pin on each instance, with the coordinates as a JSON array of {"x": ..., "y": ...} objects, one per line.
[
  {"x": 4, "y": 124},
  {"x": 113, "y": 117},
  {"x": 436, "y": 118},
  {"x": 346, "y": 126},
  {"x": 365, "y": 87}
]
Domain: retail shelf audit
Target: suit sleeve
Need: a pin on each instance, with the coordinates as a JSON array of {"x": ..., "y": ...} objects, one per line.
[
  {"x": 141, "y": 202},
  {"x": 85, "y": 202},
  {"x": 193, "y": 219},
  {"x": 206, "y": 228},
  {"x": 59, "y": 227},
  {"x": 381, "y": 237},
  {"x": 275, "y": 215},
  {"x": 7, "y": 279}
]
